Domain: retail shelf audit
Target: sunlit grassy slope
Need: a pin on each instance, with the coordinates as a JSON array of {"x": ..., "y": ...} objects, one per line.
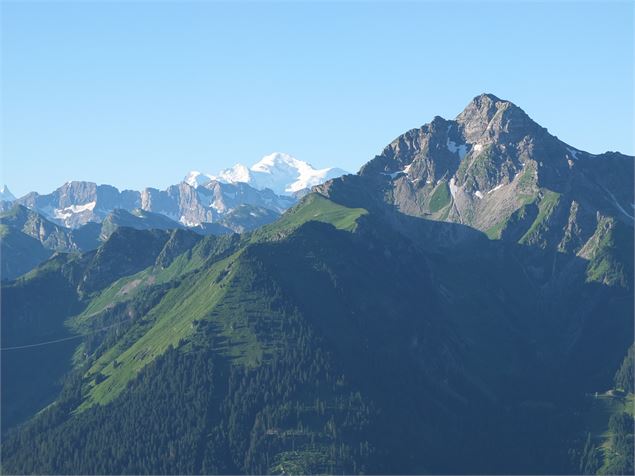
[
  {"x": 314, "y": 207},
  {"x": 204, "y": 290}
]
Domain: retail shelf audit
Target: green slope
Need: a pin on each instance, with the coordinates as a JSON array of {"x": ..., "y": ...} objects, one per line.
[
  {"x": 194, "y": 300},
  {"x": 321, "y": 343},
  {"x": 313, "y": 207}
]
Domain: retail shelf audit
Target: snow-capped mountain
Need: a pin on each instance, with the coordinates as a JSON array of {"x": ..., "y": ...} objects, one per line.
[
  {"x": 5, "y": 194},
  {"x": 280, "y": 172},
  {"x": 239, "y": 198}
]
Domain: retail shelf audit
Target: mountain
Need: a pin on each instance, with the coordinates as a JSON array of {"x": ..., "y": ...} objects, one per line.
[
  {"x": 28, "y": 238},
  {"x": 495, "y": 169},
  {"x": 49, "y": 234},
  {"x": 248, "y": 217},
  {"x": 140, "y": 219},
  {"x": 280, "y": 172},
  {"x": 271, "y": 186},
  {"x": 5, "y": 194},
  {"x": 76, "y": 203},
  {"x": 358, "y": 333}
]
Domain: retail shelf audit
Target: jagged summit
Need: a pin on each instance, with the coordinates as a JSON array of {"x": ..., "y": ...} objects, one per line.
[
  {"x": 5, "y": 194},
  {"x": 436, "y": 150},
  {"x": 487, "y": 115},
  {"x": 496, "y": 169},
  {"x": 482, "y": 109},
  {"x": 75, "y": 204}
]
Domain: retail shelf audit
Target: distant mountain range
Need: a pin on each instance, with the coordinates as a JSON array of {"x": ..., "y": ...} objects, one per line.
[
  {"x": 462, "y": 305},
  {"x": 77, "y": 203},
  {"x": 207, "y": 205},
  {"x": 273, "y": 183}
]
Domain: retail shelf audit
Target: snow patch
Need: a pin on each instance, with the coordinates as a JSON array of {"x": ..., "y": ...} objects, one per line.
[
  {"x": 186, "y": 222},
  {"x": 82, "y": 208},
  {"x": 237, "y": 173},
  {"x": 197, "y": 179},
  {"x": 477, "y": 147},
  {"x": 284, "y": 174},
  {"x": 280, "y": 172},
  {"x": 64, "y": 213},
  {"x": 61, "y": 214},
  {"x": 457, "y": 149}
]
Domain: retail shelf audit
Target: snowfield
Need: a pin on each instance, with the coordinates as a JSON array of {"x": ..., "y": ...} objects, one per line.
[{"x": 280, "y": 172}]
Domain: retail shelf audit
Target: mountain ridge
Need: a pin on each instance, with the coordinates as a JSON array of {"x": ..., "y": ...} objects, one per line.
[
  {"x": 495, "y": 169},
  {"x": 196, "y": 201},
  {"x": 443, "y": 342},
  {"x": 382, "y": 324}
]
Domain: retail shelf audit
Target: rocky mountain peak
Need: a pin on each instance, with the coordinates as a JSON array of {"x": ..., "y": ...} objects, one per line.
[
  {"x": 5, "y": 194},
  {"x": 495, "y": 169},
  {"x": 490, "y": 118},
  {"x": 483, "y": 107}
]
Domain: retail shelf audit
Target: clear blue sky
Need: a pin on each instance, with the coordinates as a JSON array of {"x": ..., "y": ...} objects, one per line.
[{"x": 137, "y": 94}]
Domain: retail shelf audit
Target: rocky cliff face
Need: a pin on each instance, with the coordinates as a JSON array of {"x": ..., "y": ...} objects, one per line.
[
  {"x": 495, "y": 169},
  {"x": 77, "y": 203}
]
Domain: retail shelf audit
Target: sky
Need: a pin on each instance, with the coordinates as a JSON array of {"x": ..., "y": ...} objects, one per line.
[{"x": 136, "y": 94}]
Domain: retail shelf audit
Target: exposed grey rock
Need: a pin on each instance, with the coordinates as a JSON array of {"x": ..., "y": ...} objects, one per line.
[
  {"x": 78, "y": 203},
  {"x": 495, "y": 169}
]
